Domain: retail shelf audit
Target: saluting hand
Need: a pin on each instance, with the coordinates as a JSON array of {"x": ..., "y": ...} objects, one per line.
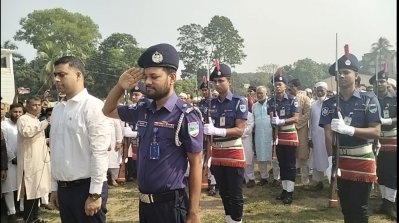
[{"x": 129, "y": 78}]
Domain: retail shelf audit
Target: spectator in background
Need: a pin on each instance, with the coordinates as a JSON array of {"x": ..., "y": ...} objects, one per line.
[{"x": 391, "y": 85}]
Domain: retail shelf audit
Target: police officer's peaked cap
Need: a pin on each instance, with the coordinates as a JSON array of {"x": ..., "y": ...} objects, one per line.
[
  {"x": 224, "y": 71},
  {"x": 140, "y": 87},
  {"x": 203, "y": 85},
  {"x": 351, "y": 63},
  {"x": 381, "y": 76},
  {"x": 160, "y": 55},
  {"x": 277, "y": 78}
]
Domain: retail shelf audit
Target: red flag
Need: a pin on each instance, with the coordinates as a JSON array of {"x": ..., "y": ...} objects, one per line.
[
  {"x": 385, "y": 67},
  {"x": 217, "y": 64},
  {"x": 346, "y": 47},
  {"x": 281, "y": 73}
]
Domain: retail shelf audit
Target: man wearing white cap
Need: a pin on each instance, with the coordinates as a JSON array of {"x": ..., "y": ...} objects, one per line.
[
  {"x": 321, "y": 161},
  {"x": 391, "y": 85}
]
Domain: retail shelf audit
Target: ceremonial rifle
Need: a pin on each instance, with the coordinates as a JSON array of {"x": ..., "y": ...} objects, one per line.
[
  {"x": 126, "y": 143},
  {"x": 275, "y": 128},
  {"x": 333, "y": 196},
  {"x": 208, "y": 138}
]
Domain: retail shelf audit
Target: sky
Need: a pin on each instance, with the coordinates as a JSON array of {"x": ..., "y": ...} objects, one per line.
[{"x": 279, "y": 32}]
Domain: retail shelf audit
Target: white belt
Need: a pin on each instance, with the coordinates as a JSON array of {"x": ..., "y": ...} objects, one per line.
[
  {"x": 388, "y": 133},
  {"x": 287, "y": 127},
  {"x": 353, "y": 151},
  {"x": 231, "y": 143}
]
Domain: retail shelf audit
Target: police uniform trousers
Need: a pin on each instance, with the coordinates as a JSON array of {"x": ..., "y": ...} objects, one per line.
[
  {"x": 387, "y": 169},
  {"x": 353, "y": 197},
  {"x": 230, "y": 180},
  {"x": 171, "y": 211},
  {"x": 72, "y": 200},
  {"x": 286, "y": 156}
]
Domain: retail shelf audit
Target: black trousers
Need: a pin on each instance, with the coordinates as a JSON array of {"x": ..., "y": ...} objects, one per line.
[
  {"x": 131, "y": 168},
  {"x": 387, "y": 163},
  {"x": 31, "y": 210},
  {"x": 174, "y": 211},
  {"x": 287, "y": 161},
  {"x": 230, "y": 181},
  {"x": 354, "y": 198},
  {"x": 72, "y": 203}
]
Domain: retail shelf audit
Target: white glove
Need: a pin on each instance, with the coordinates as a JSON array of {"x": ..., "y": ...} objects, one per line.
[
  {"x": 338, "y": 125},
  {"x": 277, "y": 121},
  {"x": 386, "y": 121},
  {"x": 128, "y": 132},
  {"x": 211, "y": 130}
]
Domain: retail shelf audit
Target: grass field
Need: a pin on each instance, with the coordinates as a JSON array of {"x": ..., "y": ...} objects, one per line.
[{"x": 260, "y": 206}]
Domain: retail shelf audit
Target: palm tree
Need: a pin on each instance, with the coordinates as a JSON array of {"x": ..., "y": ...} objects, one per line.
[
  {"x": 49, "y": 53},
  {"x": 381, "y": 48}
]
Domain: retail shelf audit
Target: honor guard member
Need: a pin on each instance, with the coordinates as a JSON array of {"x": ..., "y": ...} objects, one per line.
[
  {"x": 203, "y": 107},
  {"x": 226, "y": 124},
  {"x": 130, "y": 131},
  {"x": 386, "y": 158},
  {"x": 170, "y": 134},
  {"x": 284, "y": 110},
  {"x": 357, "y": 122}
]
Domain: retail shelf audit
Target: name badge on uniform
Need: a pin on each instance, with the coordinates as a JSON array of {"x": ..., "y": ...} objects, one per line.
[
  {"x": 348, "y": 120},
  {"x": 386, "y": 113},
  {"x": 154, "y": 145},
  {"x": 282, "y": 112},
  {"x": 222, "y": 121},
  {"x": 142, "y": 123}
]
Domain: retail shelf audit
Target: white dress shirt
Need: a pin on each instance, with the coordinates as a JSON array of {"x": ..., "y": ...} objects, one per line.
[{"x": 79, "y": 139}]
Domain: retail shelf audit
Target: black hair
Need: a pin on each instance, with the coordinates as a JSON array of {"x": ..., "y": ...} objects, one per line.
[
  {"x": 72, "y": 61},
  {"x": 16, "y": 105}
]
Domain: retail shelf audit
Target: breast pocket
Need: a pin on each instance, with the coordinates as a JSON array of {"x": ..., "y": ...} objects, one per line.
[
  {"x": 75, "y": 123},
  {"x": 358, "y": 118},
  {"x": 230, "y": 119}
]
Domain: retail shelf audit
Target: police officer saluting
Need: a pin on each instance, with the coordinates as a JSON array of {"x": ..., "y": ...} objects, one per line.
[
  {"x": 386, "y": 158},
  {"x": 169, "y": 132},
  {"x": 226, "y": 125},
  {"x": 284, "y": 110},
  {"x": 357, "y": 122}
]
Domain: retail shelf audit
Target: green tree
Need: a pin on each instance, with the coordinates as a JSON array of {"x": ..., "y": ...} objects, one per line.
[
  {"x": 307, "y": 71},
  {"x": 187, "y": 86},
  {"x": 193, "y": 48},
  {"x": 73, "y": 33},
  {"x": 116, "y": 54},
  {"x": 226, "y": 43},
  {"x": 381, "y": 49}
]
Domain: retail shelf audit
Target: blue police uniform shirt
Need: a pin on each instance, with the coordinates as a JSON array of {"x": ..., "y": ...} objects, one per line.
[
  {"x": 285, "y": 108},
  {"x": 232, "y": 108},
  {"x": 203, "y": 107},
  {"x": 361, "y": 109},
  {"x": 388, "y": 107},
  {"x": 167, "y": 172}
]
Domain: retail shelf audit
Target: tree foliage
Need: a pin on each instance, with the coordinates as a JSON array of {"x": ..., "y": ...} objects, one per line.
[
  {"x": 71, "y": 32},
  {"x": 199, "y": 46},
  {"x": 116, "y": 54}
]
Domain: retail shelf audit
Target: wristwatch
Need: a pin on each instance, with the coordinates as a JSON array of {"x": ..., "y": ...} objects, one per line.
[{"x": 94, "y": 196}]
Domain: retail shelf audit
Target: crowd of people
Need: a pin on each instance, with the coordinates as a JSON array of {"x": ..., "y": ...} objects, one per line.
[{"x": 65, "y": 157}]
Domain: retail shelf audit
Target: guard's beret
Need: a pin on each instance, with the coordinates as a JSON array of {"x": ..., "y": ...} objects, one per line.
[
  {"x": 351, "y": 63},
  {"x": 277, "y": 78},
  {"x": 161, "y": 55},
  {"x": 223, "y": 72},
  {"x": 251, "y": 88},
  {"x": 203, "y": 85},
  {"x": 140, "y": 87},
  {"x": 381, "y": 76}
]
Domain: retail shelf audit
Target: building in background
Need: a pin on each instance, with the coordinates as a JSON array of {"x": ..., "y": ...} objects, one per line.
[{"x": 7, "y": 76}]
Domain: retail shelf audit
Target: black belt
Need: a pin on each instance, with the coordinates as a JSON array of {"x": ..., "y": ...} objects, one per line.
[
  {"x": 161, "y": 197},
  {"x": 73, "y": 183}
]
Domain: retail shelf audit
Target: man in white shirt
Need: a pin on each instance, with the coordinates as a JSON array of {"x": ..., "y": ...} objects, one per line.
[
  {"x": 9, "y": 185},
  {"x": 79, "y": 139}
]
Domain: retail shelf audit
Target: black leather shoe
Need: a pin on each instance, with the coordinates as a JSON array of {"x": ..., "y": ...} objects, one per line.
[
  {"x": 251, "y": 183},
  {"x": 288, "y": 198},
  {"x": 262, "y": 182},
  {"x": 282, "y": 195}
]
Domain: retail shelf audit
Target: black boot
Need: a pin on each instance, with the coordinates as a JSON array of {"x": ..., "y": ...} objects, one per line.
[
  {"x": 288, "y": 198},
  {"x": 282, "y": 195},
  {"x": 390, "y": 210},
  {"x": 211, "y": 190}
]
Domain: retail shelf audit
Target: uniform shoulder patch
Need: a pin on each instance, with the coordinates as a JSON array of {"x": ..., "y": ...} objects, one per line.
[
  {"x": 373, "y": 108},
  {"x": 296, "y": 104},
  {"x": 193, "y": 129},
  {"x": 325, "y": 111},
  {"x": 243, "y": 108}
]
